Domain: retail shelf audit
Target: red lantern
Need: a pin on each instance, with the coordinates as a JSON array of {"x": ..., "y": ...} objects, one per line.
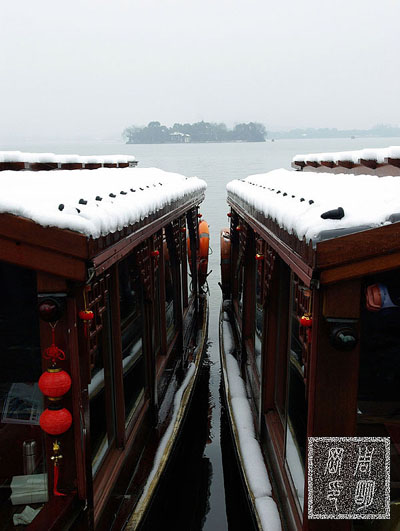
[
  {"x": 55, "y": 421},
  {"x": 306, "y": 320},
  {"x": 155, "y": 254},
  {"x": 229, "y": 215},
  {"x": 238, "y": 228},
  {"x": 86, "y": 315},
  {"x": 55, "y": 383},
  {"x": 199, "y": 215},
  {"x": 259, "y": 257}
]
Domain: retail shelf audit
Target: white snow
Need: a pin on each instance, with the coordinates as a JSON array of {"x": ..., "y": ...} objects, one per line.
[
  {"x": 19, "y": 156},
  {"x": 268, "y": 513},
  {"x": 367, "y": 200},
  {"x": 38, "y": 196},
  {"x": 379, "y": 155},
  {"x": 254, "y": 465}
]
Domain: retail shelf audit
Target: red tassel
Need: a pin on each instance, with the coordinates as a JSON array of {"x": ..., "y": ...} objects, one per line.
[{"x": 56, "y": 473}]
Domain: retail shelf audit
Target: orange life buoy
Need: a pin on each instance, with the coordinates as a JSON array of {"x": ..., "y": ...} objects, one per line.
[
  {"x": 202, "y": 259},
  {"x": 225, "y": 243},
  {"x": 204, "y": 242}
]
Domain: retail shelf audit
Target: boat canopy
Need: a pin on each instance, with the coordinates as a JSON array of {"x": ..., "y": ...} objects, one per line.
[
  {"x": 379, "y": 155},
  {"x": 49, "y": 158},
  {"x": 319, "y": 206},
  {"x": 94, "y": 203}
]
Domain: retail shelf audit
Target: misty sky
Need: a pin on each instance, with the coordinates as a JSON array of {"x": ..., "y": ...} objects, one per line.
[{"x": 90, "y": 68}]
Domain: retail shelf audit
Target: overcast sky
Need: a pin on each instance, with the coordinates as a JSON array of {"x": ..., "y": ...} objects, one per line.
[{"x": 90, "y": 68}]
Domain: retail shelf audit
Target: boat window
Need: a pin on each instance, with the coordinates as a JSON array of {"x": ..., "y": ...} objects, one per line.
[
  {"x": 189, "y": 283},
  {"x": 259, "y": 312},
  {"x": 131, "y": 315},
  {"x": 296, "y": 424},
  {"x": 157, "y": 314},
  {"x": 170, "y": 310},
  {"x": 101, "y": 387},
  {"x": 281, "y": 315},
  {"x": 240, "y": 287},
  {"x": 22, "y": 445},
  {"x": 378, "y": 407}
]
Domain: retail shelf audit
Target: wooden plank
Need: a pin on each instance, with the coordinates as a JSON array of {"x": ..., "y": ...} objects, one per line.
[
  {"x": 335, "y": 301},
  {"x": 50, "y": 283},
  {"x": 26, "y": 230},
  {"x": 358, "y": 246},
  {"x": 41, "y": 259},
  {"x": 377, "y": 264},
  {"x": 333, "y": 373}
]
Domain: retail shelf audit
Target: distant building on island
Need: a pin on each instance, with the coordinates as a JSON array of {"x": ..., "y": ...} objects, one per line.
[{"x": 180, "y": 138}]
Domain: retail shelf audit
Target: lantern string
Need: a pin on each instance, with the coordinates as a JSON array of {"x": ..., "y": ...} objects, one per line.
[{"x": 53, "y": 352}]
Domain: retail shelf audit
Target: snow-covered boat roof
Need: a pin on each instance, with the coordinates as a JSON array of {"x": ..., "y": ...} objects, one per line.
[
  {"x": 93, "y": 203},
  {"x": 378, "y": 155},
  {"x": 296, "y": 201},
  {"x": 11, "y": 157}
]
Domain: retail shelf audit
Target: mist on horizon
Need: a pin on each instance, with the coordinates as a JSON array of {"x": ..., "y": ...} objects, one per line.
[{"x": 87, "y": 70}]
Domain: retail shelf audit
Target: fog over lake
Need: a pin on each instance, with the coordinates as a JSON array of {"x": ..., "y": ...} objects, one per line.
[{"x": 87, "y": 69}]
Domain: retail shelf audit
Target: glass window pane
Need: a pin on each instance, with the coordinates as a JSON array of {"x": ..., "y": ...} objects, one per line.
[
  {"x": 296, "y": 428},
  {"x": 101, "y": 389},
  {"x": 378, "y": 404},
  {"x": 131, "y": 335},
  {"x": 259, "y": 314},
  {"x": 22, "y": 448},
  {"x": 169, "y": 296}
]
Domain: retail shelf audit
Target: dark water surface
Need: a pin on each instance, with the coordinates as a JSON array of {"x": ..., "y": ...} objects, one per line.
[{"x": 217, "y": 164}]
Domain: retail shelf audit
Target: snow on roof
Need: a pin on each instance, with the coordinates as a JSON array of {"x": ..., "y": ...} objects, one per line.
[
  {"x": 93, "y": 203},
  {"x": 19, "y": 156},
  {"x": 378, "y": 155},
  {"x": 296, "y": 200}
]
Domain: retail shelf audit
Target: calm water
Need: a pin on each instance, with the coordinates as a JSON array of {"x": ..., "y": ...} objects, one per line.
[{"x": 217, "y": 164}]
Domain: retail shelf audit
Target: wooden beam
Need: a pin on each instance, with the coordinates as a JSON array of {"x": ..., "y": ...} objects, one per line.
[
  {"x": 378, "y": 264},
  {"x": 41, "y": 259},
  {"x": 358, "y": 246},
  {"x": 26, "y": 230}
]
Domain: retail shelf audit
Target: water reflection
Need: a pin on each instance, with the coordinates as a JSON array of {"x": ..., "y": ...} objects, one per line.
[{"x": 182, "y": 499}]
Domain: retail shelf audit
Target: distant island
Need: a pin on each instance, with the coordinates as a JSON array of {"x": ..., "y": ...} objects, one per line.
[
  {"x": 155, "y": 133},
  {"x": 381, "y": 130}
]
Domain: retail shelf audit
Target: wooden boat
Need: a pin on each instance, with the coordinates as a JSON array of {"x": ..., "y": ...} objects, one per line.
[
  {"x": 309, "y": 326},
  {"x": 102, "y": 330}
]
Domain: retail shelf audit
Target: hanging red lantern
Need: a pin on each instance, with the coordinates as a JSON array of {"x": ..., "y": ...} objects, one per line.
[
  {"x": 55, "y": 421},
  {"x": 155, "y": 254},
  {"x": 55, "y": 383},
  {"x": 259, "y": 257},
  {"x": 238, "y": 228},
  {"x": 199, "y": 215},
  {"x": 86, "y": 315},
  {"x": 229, "y": 215},
  {"x": 306, "y": 320}
]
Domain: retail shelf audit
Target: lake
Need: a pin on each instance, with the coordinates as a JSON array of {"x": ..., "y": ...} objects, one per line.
[{"x": 217, "y": 164}]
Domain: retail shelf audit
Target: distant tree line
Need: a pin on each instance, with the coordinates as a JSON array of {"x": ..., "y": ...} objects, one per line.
[
  {"x": 381, "y": 130},
  {"x": 155, "y": 133}
]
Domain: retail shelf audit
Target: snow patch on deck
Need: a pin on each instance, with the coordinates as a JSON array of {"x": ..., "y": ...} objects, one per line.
[{"x": 253, "y": 461}]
